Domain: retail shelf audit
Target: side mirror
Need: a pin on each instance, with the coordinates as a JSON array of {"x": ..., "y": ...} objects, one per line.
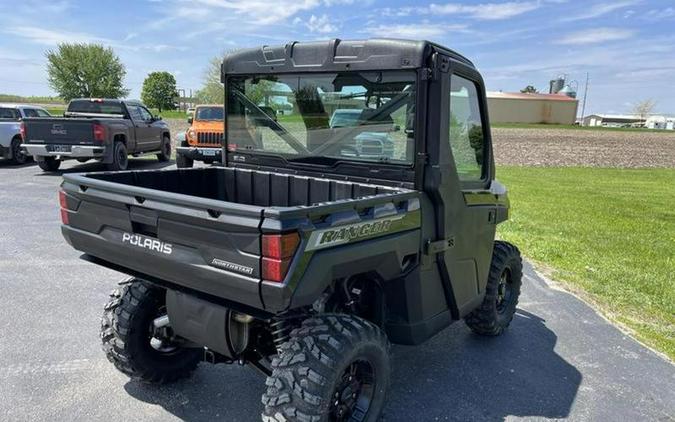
[
  {"x": 159, "y": 117},
  {"x": 397, "y": 128},
  {"x": 190, "y": 120}
]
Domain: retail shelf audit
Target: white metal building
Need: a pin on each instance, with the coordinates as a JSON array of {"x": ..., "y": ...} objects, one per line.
[{"x": 516, "y": 107}]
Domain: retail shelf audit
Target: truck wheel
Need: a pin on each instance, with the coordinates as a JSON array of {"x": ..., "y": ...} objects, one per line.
[
  {"x": 49, "y": 164},
  {"x": 18, "y": 156},
  {"x": 183, "y": 162},
  {"x": 165, "y": 148},
  {"x": 334, "y": 367},
  {"x": 120, "y": 157},
  {"x": 501, "y": 293},
  {"x": 126, "y": 333}
]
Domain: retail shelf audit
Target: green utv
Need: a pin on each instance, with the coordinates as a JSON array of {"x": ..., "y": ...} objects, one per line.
[{"x": 316, "y": 244}]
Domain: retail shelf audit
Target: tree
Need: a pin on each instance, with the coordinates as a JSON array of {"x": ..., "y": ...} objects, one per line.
[
  {"x": 85, "y": 70},
  {"x": 529, "y": 90},
  {"x": 212, "y": 91},
  {"x": 644, "y": 108},
  {"x": 159, "y": 90}
]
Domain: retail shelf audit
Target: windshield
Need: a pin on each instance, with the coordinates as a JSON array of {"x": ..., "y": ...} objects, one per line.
[
  {"x": 209, "y": 113},
  {"x": 367, "y": 116}
]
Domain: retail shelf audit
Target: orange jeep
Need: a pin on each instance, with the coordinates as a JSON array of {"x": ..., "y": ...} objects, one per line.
[{"x": 202, "y": 141}]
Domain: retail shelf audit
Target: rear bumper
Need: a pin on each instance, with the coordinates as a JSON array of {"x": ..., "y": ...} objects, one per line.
[
  {"x": 76, "y": 151},
  {"x": 200, "y": 153}
]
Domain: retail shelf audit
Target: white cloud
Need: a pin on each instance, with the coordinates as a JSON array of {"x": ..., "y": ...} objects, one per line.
[
  {"x": 596, "y": 35},
  {"x": 52, "y": 37},
  {"x": 320, "y": 24},
  {"x": 486, "y": 11},
  {"x": 412, "y": 31},
  {"x": 658, "y": 14},
  {"x": 601, "y": 9},
  {"x": 261, "y": 11}
]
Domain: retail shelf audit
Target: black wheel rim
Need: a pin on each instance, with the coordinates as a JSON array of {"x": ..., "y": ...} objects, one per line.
[
  {"x": 504, "y": 291},
  {"x": 354, "y": 393},
  {"x": 122, "y": 158},
  {"x": 19, "y": 156}
]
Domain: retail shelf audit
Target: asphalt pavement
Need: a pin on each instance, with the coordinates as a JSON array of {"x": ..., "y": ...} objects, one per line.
[{"x": 558, "y": 360}]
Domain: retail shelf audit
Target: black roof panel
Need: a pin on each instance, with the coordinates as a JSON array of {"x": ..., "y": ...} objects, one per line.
[{"x": 335, "y": 55}]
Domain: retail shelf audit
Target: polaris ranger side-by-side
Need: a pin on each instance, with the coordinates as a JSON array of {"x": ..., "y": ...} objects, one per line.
[{"x": 310, "y": 251}]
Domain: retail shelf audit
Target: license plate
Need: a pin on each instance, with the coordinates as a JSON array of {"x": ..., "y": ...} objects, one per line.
[
  {"x": 60, "y": 148},
  {"x": 209, "y": 152}
]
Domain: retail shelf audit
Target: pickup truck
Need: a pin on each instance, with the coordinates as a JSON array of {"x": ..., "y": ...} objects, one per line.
[
  {"x": 11, "y": 116},
  {"x": 299, "y": 257},
  {"x": 107, "y": 130}
]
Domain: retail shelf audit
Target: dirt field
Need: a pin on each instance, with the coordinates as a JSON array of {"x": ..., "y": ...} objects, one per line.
[
  {"x": 588, "y": 148},
  {"x": 569, "y": 147}
]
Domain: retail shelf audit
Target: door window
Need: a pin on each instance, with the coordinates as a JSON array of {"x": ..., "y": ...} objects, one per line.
[
  {"x": 42, "y": 113},
  {"x": 145, "y": 114},
  {"x": 135, "y": 113},
  {"x": 466, "y": 129},
  {"x": 8, "y": 114}
]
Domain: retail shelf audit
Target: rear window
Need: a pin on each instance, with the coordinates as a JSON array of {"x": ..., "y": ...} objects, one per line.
[
  {"x": 8, "y": 114},
  {"x": 95, "y": 107}
]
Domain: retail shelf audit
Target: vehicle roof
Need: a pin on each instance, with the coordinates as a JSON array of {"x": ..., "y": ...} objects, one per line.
[
  {"x": 13, "y": 105},
  {"x": 335, "y": 55},
  {"x": 114, "y": 100}
]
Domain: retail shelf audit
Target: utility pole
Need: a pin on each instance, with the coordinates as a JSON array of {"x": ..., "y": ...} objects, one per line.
[{"x": 583, "y": 104}]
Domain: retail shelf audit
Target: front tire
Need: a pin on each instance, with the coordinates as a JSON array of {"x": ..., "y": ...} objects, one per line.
[
  {"x": 49, "y": 164},
  {"x": 18, "y": 156},
  {"x": 494, "y": 315},
  {"x": 333, "y": 368},
  {"x": 120, "y": 157},
  {"x": 127, "y": 337},
  {"x": 165, "y": 150}
]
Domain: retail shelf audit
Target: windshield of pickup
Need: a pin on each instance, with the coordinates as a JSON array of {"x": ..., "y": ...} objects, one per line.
[
  {"x": 209, "y": 113},
  {"x": 321, "y": 118},
  {"x": 95, "y": 107}
]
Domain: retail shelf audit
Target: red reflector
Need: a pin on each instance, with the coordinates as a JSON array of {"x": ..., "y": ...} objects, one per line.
[
  {"x": 99, "y": 132},
  {"x": 280, "y": 246},
  {"x": 62, "y": 199},
  {"x": 22, "y": 130},
  {"x": 274, "y": 269},
  {"x": 64, "y": 216}
]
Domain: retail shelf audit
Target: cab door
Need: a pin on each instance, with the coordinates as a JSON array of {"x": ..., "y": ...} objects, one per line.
[{"x": 467, "y": 207}]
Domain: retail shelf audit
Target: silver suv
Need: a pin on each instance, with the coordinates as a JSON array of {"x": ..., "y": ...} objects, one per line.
[{"x": 11, "y": 116}]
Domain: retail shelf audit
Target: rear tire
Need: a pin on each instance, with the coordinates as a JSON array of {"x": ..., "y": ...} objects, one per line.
[
  {"x": 126, "y": 335},
  {"x": 334, "y": 367},
  {"x": 18, "y": 156},
  {"x": 494, "y": 315},
  {"x": 49, "y": 164},
  {"x": 120, "y": 157},
  {"x": 165, "y": 148}
]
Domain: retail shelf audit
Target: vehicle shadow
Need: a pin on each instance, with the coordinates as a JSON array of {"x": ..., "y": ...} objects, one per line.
[
  {"x": 455, "y": 376},
  {"x": 9, "y": 164},
  {"x": 94, "y": 166}
]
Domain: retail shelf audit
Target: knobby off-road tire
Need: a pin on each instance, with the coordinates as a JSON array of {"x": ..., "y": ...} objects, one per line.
[
  {"x": 165, "y": 150},
  {"x": 494, "y": 315},
  {"x": 126, "y": 333},
  {"x": 120, "y": 157},
  {"x": 49, "y": 164},
  {"x": 183, "y": 162},
  {"x": 317, "y": 374}
]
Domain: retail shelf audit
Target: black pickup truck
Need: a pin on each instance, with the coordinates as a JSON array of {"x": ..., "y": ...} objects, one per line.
[
  {"x": 93, "y": 128},
  {"x": 301, "y": 256}
]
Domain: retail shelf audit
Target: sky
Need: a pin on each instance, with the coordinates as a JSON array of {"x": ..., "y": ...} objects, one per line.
[{"x": 626, "y": 46}]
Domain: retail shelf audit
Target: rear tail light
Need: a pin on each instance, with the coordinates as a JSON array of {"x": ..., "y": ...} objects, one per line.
[
  {"x": 277, "y": 253},
  {"x": 22, "y": 130},
  {"x": 63, "y": 202},
  {"x": 99, "y": 132}
]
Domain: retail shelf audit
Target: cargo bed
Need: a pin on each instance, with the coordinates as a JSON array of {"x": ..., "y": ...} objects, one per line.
[{"x": 180, "y": 226}]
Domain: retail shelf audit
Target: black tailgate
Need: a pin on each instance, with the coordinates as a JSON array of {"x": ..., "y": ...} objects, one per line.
[{"x": 62, "y": 131}]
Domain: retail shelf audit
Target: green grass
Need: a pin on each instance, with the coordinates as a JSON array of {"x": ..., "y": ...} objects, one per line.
[
  {"x": 574, "y": 127},
  {"x": 606, "y": 233}
]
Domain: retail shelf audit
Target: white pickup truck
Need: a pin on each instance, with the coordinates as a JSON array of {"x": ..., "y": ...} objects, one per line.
[{"x": 10, "y": 129}]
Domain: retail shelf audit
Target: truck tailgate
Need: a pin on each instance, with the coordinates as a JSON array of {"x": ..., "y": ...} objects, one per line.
[
  {"x": 61, "y": 131},
  {"x": 207, "y": 245}
]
